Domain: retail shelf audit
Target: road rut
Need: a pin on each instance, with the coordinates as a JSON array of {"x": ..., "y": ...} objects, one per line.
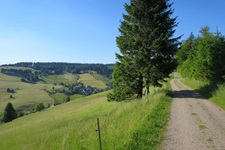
[{"x": 195, "y": 123}]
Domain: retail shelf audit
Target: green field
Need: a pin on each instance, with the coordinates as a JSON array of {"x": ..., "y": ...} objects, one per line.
[
  {"x": 67, "y": 78},
  {"x": 26, "y": 95},
  {"x": 93, "y": 80},
  {"x": 100, "y": 77},
  {"x": 72, "y": 125}
]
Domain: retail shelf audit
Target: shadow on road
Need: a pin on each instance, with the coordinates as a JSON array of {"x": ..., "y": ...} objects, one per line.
[{"x": 187, "y": 94}]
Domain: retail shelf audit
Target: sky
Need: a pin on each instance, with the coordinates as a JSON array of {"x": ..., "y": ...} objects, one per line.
[{"x": 84, "y": 31}]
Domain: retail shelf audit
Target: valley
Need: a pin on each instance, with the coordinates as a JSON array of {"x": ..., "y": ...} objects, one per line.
[{"x": 50, "y": 89}]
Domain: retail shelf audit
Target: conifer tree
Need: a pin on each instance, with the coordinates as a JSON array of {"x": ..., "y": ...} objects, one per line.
[
  {"x": 147, "y": 48},
  {"x": 205, "y": 56},
  {"x": 9, "y": 113}
]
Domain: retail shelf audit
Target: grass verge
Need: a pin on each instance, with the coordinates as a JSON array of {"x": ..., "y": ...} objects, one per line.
[
  {"x": 151, "y": 133},
  {"x": 211, "y": 90}
]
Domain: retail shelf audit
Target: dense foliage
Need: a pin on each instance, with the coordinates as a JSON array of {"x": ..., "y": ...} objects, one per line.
[
  {"x": 202, "y": 57},
  {"x": 26, "y": 75},
  {"x": 147, "y": 48},
  {"x": 9, "y": 114}
]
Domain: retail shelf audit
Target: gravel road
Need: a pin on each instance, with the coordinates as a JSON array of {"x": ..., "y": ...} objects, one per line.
[{"x": 195, "y": 123}]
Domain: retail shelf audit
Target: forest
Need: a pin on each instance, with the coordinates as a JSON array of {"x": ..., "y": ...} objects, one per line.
[
  {"x": 202, "y": 57},
  {"x": 51, "y": 68}
]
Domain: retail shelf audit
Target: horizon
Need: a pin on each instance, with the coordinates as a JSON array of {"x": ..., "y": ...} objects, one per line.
[{"x": 56, "y": 63}]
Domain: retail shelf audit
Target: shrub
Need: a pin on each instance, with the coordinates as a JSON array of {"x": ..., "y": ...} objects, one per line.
[{"x": 39, "y": 107}]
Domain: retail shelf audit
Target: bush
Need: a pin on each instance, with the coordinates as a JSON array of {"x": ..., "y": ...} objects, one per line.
[
  {"x": 39, "y": 107},
  {"x": 68, "y": 99}
]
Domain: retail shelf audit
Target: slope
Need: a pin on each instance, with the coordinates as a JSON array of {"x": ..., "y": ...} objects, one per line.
[
  {"x": 25, "y": 95},
  {"x": 72, "y": 125},
  {"x": 93, "y": 80}
]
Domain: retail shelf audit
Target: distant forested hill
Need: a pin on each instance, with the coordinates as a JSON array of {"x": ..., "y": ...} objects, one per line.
[{"x": 51, "y": 68}]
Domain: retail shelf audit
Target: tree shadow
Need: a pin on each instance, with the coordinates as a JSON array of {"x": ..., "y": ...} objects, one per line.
[
  {"x": 204, "y": 92},
  {"x": 208, "y": 89},
  {"x": 187, "y": 94}
]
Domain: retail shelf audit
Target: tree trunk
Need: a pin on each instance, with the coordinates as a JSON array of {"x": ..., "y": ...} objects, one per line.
[
  {"x": 139, "y": 94},
  {"x": 140, "y": 87},
  {"x": 147, "y": 92}
]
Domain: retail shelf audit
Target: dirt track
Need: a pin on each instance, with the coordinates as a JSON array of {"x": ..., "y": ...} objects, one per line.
[{"x": 196, "y": 123}]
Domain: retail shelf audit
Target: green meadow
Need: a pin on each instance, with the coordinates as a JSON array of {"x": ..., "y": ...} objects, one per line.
[
  {"x": 94, "y": 80},
  {"x": 25, "y": 96},
  {"x": 72, "y": 125},
  {"x": 66, "y": 78}
]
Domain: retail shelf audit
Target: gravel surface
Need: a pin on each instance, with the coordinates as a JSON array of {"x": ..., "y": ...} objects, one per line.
[{"x": 195, "y": 123}]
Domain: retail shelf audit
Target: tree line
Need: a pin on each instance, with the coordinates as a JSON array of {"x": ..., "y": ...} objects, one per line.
[
  {"x": 26, "y": 75},
  {"x": 59, "y": 68},
  {"x": 202, "y": 57}
]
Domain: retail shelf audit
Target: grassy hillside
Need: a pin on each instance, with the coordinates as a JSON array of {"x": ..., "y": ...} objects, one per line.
[
  {"x": 94, "y": 80},
  {"x": 125, "y": 125},
  {"x": 100, "y": 77},
  {"x": 25, "y": 96},
  {"x": 67, "y": 78}
]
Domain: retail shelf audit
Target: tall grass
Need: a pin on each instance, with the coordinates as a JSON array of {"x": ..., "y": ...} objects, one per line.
[
  {"x": 219, "y": 96},
  {"x": 72, "y": 125},
  {"x": 152, "y": 130}
]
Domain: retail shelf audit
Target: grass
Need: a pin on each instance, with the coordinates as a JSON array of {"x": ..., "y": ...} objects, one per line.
[
  {"x": 67, "y": 78},
  {"x": 88, "y": 79},
  {"x": 59, "y": 98},
  {"x": 152, "y": 131},
  {"x": 26, "y": 94},
  {"x": 201, "y": 126},
  {"x": 72, "y": 125},
  {"x": 219, "y": 96},
  {"x": 100, "y": 77}
]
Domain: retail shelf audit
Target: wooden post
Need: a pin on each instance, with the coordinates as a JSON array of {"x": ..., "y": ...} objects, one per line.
[{"x": 99, "y": 134}]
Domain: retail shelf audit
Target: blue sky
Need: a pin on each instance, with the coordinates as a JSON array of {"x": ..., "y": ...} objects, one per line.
[{"x": 83, "y": 31}]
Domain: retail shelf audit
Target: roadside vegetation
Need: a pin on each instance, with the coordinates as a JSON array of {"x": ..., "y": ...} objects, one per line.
[
  {"x": 213, "y": 91},
  {"x": 201, "y": 63}
]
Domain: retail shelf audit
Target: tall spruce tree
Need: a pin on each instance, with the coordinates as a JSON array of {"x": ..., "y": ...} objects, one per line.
[{"x": 147, "y": 48}]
